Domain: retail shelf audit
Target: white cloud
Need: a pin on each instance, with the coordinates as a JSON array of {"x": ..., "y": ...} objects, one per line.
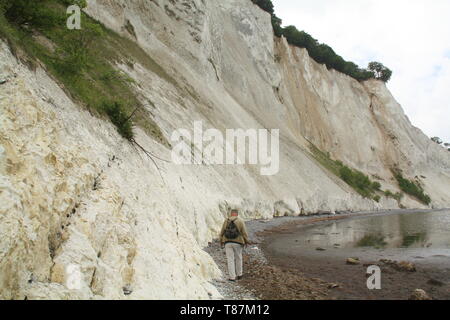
[{"x": 409, "y": 36}]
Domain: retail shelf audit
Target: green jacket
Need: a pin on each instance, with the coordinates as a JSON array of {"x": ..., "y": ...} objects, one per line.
[{"x": 240, "y": 224}]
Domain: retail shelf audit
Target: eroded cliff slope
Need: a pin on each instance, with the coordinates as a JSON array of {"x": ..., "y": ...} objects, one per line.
[{"x": 73, "y": 192}]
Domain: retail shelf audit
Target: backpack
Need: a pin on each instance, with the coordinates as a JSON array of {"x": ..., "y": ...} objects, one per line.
[{"x": 232, "y": 232}]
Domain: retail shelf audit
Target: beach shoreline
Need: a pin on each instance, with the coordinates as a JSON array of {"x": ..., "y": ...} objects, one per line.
[{"x": 269, "y": 275}]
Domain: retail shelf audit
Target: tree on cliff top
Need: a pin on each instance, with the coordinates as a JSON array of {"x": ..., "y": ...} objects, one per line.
[
  {"x": 266, "y": 5},
  {"x": 321, "y": 52}
]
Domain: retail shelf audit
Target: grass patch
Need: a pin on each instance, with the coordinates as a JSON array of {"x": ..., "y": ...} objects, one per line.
[
  {"x": 83, "y": 61},
  {"x": 411, "y": 187},
  {"x": 360, "y": 182},
  {"x": 397, "y": 196},
  {"x": 118, "y": 117}
]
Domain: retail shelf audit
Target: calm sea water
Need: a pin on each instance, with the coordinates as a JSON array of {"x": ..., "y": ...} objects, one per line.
[
  {"x": 322, "y": 249},
  {"x": 411, "y": 230}
]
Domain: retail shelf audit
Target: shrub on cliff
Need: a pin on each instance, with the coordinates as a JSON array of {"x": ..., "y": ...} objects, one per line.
[
  {"x": 74, "y": 56},
  {"x": 83, "y": 61},
  {"x": 437, "y": 140},
  {"x": 119, "y": 118},
  {"x": 358, "y": 180},
  {"x": 354, "y": 178},
  {"x": 376, "y": 185},
  {"x": 380, "y": 71},
  {"x": 321, "y": 52},
  {"x": 276, "y": 24},
  {"x": 266, "y": 5},
  {"x": 29, "y": 13},
  {"x": 397, "y": 196},
  {"x": 324, "y": 54},
  {"x": 412, "y": 188}
]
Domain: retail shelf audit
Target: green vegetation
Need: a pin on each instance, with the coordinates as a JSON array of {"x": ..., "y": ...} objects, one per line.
[
  {"x": 121, "y": 120},
  {"x": 354, "y": 178},
  {"x": 362, "y": 184},
  {"x": 376, "y": 185},
  {"x": 437, "y": 140},
  {"x": 266, "y": 5},
  {"x": 83, "y": 61},
  {"x": 397, "y": 196},
  {"x": 380, "y": 71},
  {"x": 358, "y": 181},
  {"x": 441, "y": 142},
  {"x": 372, "y": 240},
  {"x": 412, "y": 188},
  {"x": 411, "y": 239},
  {"x": 25, "y": 12},
  {"x": 321, "y": 52}
]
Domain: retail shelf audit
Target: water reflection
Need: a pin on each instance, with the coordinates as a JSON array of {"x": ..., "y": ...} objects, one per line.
[
  {"x": 415, "y": 240},
  {"x": 418, "y": 230},
  {"x": 372, "y": 240}
]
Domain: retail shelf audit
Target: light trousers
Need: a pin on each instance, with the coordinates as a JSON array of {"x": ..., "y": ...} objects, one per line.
[{"x": 234, "y": 258}]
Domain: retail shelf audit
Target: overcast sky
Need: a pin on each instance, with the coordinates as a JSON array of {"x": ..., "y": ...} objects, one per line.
[{"x": 411, "y": 37}]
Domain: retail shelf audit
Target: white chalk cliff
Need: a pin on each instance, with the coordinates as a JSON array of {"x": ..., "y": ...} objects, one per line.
[{"x": 74, "y": 192}]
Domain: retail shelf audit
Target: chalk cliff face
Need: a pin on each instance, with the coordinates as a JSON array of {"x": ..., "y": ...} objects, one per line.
[{"x": 74, "y": 193}]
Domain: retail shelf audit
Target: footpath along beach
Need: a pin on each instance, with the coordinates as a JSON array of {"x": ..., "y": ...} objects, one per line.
[{"x": 323, "y": 274}]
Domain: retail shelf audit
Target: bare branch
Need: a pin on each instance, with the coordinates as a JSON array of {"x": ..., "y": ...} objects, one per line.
[{"x": 151, "y": 156}]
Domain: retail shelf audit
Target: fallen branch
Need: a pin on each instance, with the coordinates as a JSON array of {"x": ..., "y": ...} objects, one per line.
[
  {"x": 131, "y": 116},
  {"x": 151, "y": 156}
]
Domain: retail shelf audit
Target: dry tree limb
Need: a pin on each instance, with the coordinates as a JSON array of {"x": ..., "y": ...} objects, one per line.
[
  {"x": 151, "y": 156},
  {"x": 132, "y": 115},
  {"x": 148, "y": 153}
]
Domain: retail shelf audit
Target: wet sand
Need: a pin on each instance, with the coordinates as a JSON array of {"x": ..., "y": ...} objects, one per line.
[{"x": 314, "y": 275}]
